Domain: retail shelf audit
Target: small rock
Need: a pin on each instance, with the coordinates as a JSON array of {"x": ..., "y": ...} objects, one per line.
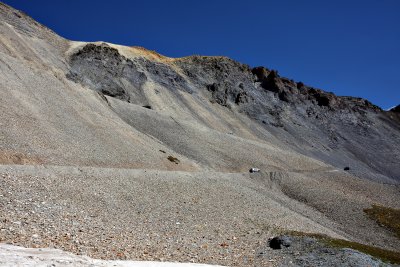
[{"x": 280, "y": 242}]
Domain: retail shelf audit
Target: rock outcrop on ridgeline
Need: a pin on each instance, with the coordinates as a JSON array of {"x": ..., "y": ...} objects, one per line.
[
  {"x": 339, "y": 130},
  {"x": 104, "y": 69}
]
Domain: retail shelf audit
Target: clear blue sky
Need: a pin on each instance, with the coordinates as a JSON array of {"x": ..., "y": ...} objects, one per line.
[{"x": 347, "y": 47}]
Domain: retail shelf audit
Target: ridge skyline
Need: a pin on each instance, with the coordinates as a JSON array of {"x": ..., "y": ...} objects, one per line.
[{"x": 324, "y": 58}]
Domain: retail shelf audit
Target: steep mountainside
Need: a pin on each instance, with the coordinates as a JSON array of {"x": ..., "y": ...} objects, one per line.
[
  {"x": 121, "y": 153},
  {"x": 341, "y": 131}
]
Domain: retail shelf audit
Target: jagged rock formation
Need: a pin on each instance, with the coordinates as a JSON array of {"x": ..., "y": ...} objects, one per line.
[
  {"x": 103, "y": 69},
  {"x": 124, "y": 153}
]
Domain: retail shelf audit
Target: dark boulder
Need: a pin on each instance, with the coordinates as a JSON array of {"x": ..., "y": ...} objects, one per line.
[{"x": 279, "y": 242}]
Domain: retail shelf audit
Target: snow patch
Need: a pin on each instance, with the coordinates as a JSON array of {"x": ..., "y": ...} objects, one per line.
[{"x": 11, "y": 256}]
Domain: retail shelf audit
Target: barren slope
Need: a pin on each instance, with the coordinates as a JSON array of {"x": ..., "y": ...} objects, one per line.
[{"x": 122, "y": 153}]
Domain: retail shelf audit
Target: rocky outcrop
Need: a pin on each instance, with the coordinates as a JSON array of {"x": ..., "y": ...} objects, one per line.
[
  {"x": 297, "y": 93},
  {"x": 338, "y": 130},
  {"x": 104, "y": 69},
  {"x": 228, "y": 81}
]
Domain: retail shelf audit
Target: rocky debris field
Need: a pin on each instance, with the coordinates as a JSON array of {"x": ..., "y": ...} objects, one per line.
[
  {"x": 203, "y": 223},
  {"x": 211, "y": 218}
]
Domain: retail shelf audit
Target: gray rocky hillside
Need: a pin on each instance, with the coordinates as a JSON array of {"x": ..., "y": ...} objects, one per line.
[
  {"x": 120, "y": 153},
  {"x": 341, "y": 131}
]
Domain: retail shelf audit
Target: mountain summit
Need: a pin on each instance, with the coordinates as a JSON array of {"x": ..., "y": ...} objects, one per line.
[{"x": 122, "y": 153}]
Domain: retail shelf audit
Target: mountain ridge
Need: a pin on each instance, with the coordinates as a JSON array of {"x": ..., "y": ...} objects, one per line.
[{"x": 259, "y": 93}]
